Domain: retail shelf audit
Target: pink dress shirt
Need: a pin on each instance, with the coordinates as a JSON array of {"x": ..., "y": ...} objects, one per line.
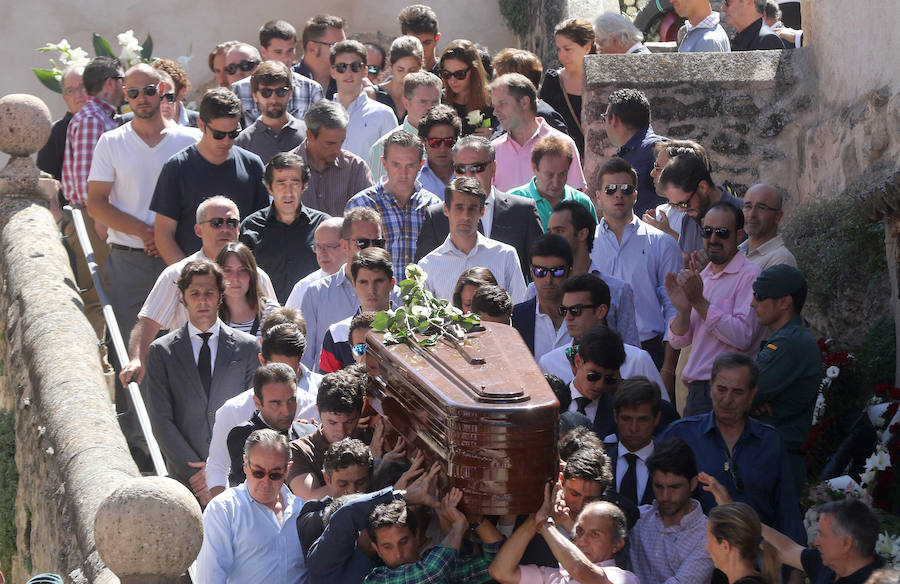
[{"x": 514, "y": 161}]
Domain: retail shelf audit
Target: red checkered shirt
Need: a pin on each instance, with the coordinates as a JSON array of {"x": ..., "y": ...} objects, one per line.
[{"x": 94, "y": 118}]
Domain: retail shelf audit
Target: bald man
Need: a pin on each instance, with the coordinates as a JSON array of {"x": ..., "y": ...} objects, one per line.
[{"x": 762, "y": 213}]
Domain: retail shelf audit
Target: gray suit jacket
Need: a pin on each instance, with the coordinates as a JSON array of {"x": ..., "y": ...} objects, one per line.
[{"x": 181, "y": 413}]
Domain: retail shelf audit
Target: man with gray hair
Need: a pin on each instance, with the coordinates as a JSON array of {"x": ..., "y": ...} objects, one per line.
[
  {"x": 753, "y": 34},
  {"x": 50, "y": 157},
  {"x": 617, "y": 35},
  {"x": 241, "y": 61},
  {"x": 762, "y": 213},
  {"x": 335, "y": 174},
  {"x": 250, "y": 531}
]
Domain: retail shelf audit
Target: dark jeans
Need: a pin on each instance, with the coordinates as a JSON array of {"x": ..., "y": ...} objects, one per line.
[{"x": 698, "y": 401}]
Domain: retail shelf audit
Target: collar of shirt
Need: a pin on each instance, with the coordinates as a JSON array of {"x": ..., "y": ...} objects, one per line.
[
  {"x": 292, "y": 123},
  {"x": 689, "y": 519},
  {"x": 409, "y": 127},
  {"x": 538, "y": 133},
  {"x": 643, "y": 453},
  {"x": 359, "y": 102},
  {"x": 634, "y": 225},
  {"x": 415, "y": 200},
  {"x": 711, "y": 21},
  {"x": 734, "y": 266},
  {"x": 708, "y": 425},
  {"x": 634, "y": 48},
  {"x": 272, "y": 216},
  {"x": 448, "y": 247},
  {"x": 635, "y": 141},
  {"x": 301, "y": 152},
  {"x": 214, "y": 329},
  {"x": 765, "y": 248},
  {"x": 287, "y": 503},
  {"x": 101, "y": 107}
]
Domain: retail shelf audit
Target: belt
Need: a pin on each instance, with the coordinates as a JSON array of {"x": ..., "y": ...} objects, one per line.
[{"x": 125, "y": 248}]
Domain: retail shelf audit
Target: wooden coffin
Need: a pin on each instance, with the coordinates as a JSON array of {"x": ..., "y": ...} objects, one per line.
[{"x": 480, "y": 407}]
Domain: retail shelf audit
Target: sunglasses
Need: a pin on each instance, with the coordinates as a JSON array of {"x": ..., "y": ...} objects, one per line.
[
  {"x": 245, "y": 65},
  {"x": 169, "y": 97},
  {"x": 721, "y": 232},
  {"x": 607, "y": 378},
  {"x": 684, "y": 205},
  {"x": 556, "y": 272},
  {"x": 363, "y": 243},
  {"x": 148, "y": 90},
  {"x": 355, "y": 66},
  {"x": 273, "y": 476},
  {"x": 218, "y": 222},
  {"x": 575, "y": 309},
  {"x": 268, "y": 91},
  {"x": 475, "y": 168},
  {"x": 759, "y": 297},
  {"x": 220, "y": 135},
  {"x": 626, "y": 190},
  {"x": 359, "y": 350},
  {"x": 436, "y": 142},
  {"x": 458, "y": 74}
]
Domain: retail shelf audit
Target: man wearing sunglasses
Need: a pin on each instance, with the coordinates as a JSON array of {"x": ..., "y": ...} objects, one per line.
[
  {"x": 250, "y": 531},
  {"x": 369, "y": 119},
  {"x": 277, "y": 42},
  {"x": 275, "y": 130},
  {"x": 333, "y": 298},
  {"x": 632, "y": 250},
  {"x": 713, "y": 305},
  {"x": 439, "y": 129},
  {"x": 211, "y": 167},
  {"x": 241, "y": 61}
]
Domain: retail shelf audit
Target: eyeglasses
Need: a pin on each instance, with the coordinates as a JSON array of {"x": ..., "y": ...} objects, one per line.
[
  {"x": 759, "y": 207},
  {"x": 273, "y": 476},
  {"x": 169, "y": 97},
  {"x": 74, "y": 90},
  {"x": 218, "y": 222},
  {"x": 449, "y": 141},
  {"x": 148, "y": 90},
  {"x": 355, "y": 66},
  {"x": 607, "y": 378},
  {"x": 458, "y": 74},
  {"x": 268, "y": 91},
  {"x": 721, "y": 232},
  {"x": 245, "y": 65},
  {"x": 323, "y": 247},
  {"x": 474, "y": 168},
  {"x": 363, "y": 243},
  {"x": 323, "y": 43},
  {"x": 575, "y": 309},
  {"x": 359, "y": 350},
  {"x": 556, "y": 272},
  {"x": 220, "y": 135},
  {"x": 373, "y": 69},
  {"x": 626, "y": 190}
]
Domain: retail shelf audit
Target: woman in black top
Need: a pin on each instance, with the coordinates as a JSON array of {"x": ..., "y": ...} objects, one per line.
[
  {"x": 735, "y": 544},
  {"x": 465, "y": 87},
  {"x": 406, "y": 56},
  {"x": 562, "y": 87}
]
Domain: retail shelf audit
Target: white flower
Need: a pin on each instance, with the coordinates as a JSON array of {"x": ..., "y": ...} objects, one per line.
[
  {"x": 884, "y": 547},
  {"x": 832, "y": 372},
  {"x": 128, "y": 41},
  {"x": 421, "y": 311},
  {"x": 63, "y": 46},
  {"x": 819, "y": 408},
  {"x": 879, "y": 460},
  {"x": 78, "y": 57},
  {"x": 474, "y": 118},
  {"x": 868, "y": 478}
]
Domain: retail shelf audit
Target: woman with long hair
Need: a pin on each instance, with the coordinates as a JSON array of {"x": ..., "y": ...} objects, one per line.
[
  {"x": 562, "y": 88},
  {"x": 244, "y": 307},
  {"x": 468, "y": 283},
  {"x": 465, "y": 87},
  {"x": 735, "y": 543},
  {"x": 405, "y": 57}
]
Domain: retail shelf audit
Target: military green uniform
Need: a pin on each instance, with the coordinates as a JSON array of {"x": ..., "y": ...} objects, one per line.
[{"x": 790, "y": 370}]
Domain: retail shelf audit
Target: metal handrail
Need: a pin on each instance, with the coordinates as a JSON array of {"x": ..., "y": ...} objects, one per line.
[{"x": 134, "y": 391}]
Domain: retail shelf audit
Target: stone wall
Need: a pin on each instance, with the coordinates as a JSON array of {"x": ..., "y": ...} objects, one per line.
[
  {"x": 69, "y": 451},
  {"x": 544, "y": 15}
]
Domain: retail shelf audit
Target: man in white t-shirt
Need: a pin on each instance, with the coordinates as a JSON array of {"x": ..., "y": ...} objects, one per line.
[{"x": 126, "y": 163}]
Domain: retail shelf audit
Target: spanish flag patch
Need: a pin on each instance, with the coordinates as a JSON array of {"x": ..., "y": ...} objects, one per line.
[{"x": 772, "y": 346}]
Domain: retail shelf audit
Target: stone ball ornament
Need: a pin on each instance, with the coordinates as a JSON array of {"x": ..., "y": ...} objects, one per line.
[{"x": 25, "y": 124}]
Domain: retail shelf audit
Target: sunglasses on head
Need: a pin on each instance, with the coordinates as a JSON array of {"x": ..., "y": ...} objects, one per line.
[
  {"x": 721, "y": 232},
  {"x": 556, "y": 272},
  {"x": 363, "y": 242},
  {"x": 220, "y": 135},
  {"x": 218, "y": 222},
  {"x": 449, "y": 141},
  {"x": 607, "y": 378},
  {"x": 148, "y": 90},
  {"x": 273, "y": 476},
  {"x": 169, "y": 97},
  {"x": 575, "y": 309},
  {"x": 245, "y": 65},
  {"x": 459, "y": 74},
  {"x": 474, "y": 168},
  {"x": 626, "y": 190},
  {"x": 280, "y": 91},
  {"x": 355, "y": 66},
  {"x": 359, "y": 349}
]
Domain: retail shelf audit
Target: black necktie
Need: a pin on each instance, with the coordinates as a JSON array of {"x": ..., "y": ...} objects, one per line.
[
  {"x": 581, "y": 403},
  {"x": 628, "y": 487},
  {"x": 204, "y": 362}
]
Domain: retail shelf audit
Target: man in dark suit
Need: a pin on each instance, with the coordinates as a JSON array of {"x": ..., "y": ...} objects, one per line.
[
  {"x": 507, "y": 218},
  {"x": 746, "y": 16},
  {"x": 192, "y": 371}
]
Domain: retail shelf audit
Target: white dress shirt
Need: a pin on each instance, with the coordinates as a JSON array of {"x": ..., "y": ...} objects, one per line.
[
  {"x": 446, "y": 264},
  {"x": 547, "y": 338},
  {"x": 300, "y": 287},
  {"x": 641, "y": 469},
  {"x": 487, "y": 220},
  {"x": 643, "y": 258},
  {"x": 243, "y": 541},
  {"x": 369, "y": 121},
  {"x": 197, "y": 343}
]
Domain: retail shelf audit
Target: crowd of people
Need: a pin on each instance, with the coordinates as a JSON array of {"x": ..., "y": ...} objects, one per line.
[{"x": 248, "y": 246}]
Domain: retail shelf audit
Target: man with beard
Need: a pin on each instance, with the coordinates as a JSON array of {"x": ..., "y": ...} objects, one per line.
[
  {"x": 275, "y": 130},
  {"x": 714, "y": 314}
]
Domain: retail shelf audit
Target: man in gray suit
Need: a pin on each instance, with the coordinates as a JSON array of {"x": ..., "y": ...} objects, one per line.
[
  {"x": 510, "y": 219},
  {"x": 192, "y": 371}
]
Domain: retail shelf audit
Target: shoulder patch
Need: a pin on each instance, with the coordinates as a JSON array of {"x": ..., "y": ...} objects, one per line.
[{"x": 772, "y": 346}]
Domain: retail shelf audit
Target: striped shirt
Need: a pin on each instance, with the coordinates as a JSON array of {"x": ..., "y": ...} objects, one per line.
[
  {"x": 85, "y": 129},
  {"x": 661, "y": 553},
  {"x": 401, "y": 224},
  {"x": 328, "y": 191}
]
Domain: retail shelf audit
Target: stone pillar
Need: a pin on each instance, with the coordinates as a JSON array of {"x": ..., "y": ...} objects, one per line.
[
  {"x": 548, "y": 13},
  {"x": 149, "y": 530}
]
